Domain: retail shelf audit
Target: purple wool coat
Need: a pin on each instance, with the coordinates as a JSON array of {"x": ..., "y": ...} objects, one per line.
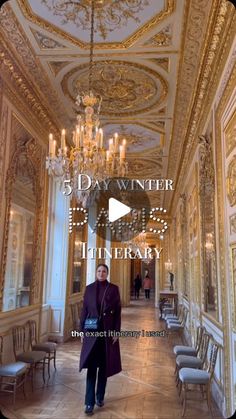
[{"x": 111, "y": 314}]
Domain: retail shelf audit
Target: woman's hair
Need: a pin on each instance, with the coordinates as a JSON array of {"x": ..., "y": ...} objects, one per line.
[
  {"x": 147, "y": 276},
  {"x": 105, "y": 266}
]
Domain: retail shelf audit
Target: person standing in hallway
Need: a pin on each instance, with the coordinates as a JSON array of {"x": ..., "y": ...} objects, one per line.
[
  {"x": 147, "y": 286},
  {"x": 100, "y": 354},
  {"x": 137, "y": 286}
]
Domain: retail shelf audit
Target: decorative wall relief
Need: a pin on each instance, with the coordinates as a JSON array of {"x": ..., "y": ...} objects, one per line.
[
  {"x": 232, "y": 223},
  {"x": 207, "y": 220},
  {"x": 231, "y": 182},
  {"x": 162, "y": 38}
]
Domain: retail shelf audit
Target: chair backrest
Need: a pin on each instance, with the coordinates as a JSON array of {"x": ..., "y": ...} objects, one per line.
[
  {"x": 180, "y": 310},
  {"x": 200, "y": 330},
  {"x": 1, "y": 349},
  {"x": 18, "y": 335},
  {"x": 184, "y": 316},
  {"x": 204, "y": 345},
  {"x": 214, "y": 348},
  {"x": 32, "y": 325}
]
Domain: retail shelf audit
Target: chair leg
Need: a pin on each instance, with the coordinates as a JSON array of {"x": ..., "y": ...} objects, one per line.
[
  {"x": 23, "y": 386},
  {"x": 184, "y": 398},
  {"x": 176, "y": 369},
  {"x": 180, "y": 388},
  {"x": 208, "y": 392},
  {"x": 49, "y": 359},
  {"x": 44, "y": 370},
  {"x": 14, "y": 392},
  {"x": 202, "y": 390},
  {"x": 54, "y": 360},
  {"x": 32, "y": 376}
]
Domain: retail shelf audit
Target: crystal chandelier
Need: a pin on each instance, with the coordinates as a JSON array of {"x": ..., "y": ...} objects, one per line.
[{"x": 88, "y": 154}]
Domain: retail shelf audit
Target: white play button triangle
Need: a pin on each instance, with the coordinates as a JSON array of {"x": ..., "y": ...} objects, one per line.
[{"x": 117, "y": 210}]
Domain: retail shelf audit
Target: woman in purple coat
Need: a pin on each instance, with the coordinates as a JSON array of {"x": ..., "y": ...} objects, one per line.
[{"x": 100, "y": 348}]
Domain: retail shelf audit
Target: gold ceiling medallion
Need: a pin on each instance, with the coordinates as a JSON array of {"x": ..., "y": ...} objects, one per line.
[
  {"x": 231, "y": 182},
  {"x": 112, "y": 17},
  {"x": 127, "y": 88}
]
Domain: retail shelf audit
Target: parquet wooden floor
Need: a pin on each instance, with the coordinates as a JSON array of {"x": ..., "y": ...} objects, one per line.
[{"x": 145, "y": 389}]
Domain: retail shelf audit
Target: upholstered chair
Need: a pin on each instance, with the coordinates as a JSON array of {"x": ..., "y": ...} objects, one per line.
[
  {"x": 33, "y": 358},
  {"x": 190, "y": 350},
  {"x": 188, "y": 361},
  {"x": 177, "y": 316},
  {"x": 203, "y": 378},
  {"x": 178, "y": 319},
  {"x": 12, "y": 375},
  {"x": 177, "y": 327},
  {"x": 49, "y": 347}
]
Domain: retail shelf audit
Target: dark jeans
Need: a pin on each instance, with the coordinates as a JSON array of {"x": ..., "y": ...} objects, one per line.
[
  {"x": 136, "y": 293},
  {"x": 91, "y": 382},
  {"x": 147, "y": 293}
]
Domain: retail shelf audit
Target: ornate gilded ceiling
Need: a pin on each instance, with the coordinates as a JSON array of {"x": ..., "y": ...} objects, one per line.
[
  {"x": 148, "y": 56},
  {"x": 118, "y": 24},
  {"x": 126, "y": 88}
]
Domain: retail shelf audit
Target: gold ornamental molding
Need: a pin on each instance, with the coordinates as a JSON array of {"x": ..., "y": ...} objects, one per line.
[
  {"x": 21, "y": 85},
  {"x": 121, "y": 84},
  {"x": 33, "y": 155},
  {"x": 18, "y": 49},
  {"x": 170, "y": 6},
  {"x": 231, "y": 182},
  {"x": 229, "y": 88},
  {"x": 220, "y": 39}
]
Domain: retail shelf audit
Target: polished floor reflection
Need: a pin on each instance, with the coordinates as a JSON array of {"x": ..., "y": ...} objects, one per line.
[{"x": 145, "y": 388}]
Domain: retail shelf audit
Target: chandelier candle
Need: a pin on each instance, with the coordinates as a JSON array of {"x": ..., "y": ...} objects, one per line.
[{"x": 63, "y": 139}]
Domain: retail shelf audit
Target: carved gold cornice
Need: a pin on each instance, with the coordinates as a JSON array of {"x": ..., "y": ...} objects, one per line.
[
  {"x": 13, "y": 76},
  {"x": 29, "y": 14},
  {"x": 19, "y": 48},
  {"x": 217, "y": 45}
]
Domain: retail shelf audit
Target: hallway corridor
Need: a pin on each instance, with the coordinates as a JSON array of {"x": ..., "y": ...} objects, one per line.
[{"x": 145, "y": 388}]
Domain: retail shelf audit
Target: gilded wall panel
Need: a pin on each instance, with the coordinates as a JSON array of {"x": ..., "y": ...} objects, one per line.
[
  {"x": 233, "y": 281},
  {"x": 231, "y": 182},
  {"x": 230, "y": 135},
  {"x": 221, "y": 183},
  {"x": 25, "y": 148}
]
